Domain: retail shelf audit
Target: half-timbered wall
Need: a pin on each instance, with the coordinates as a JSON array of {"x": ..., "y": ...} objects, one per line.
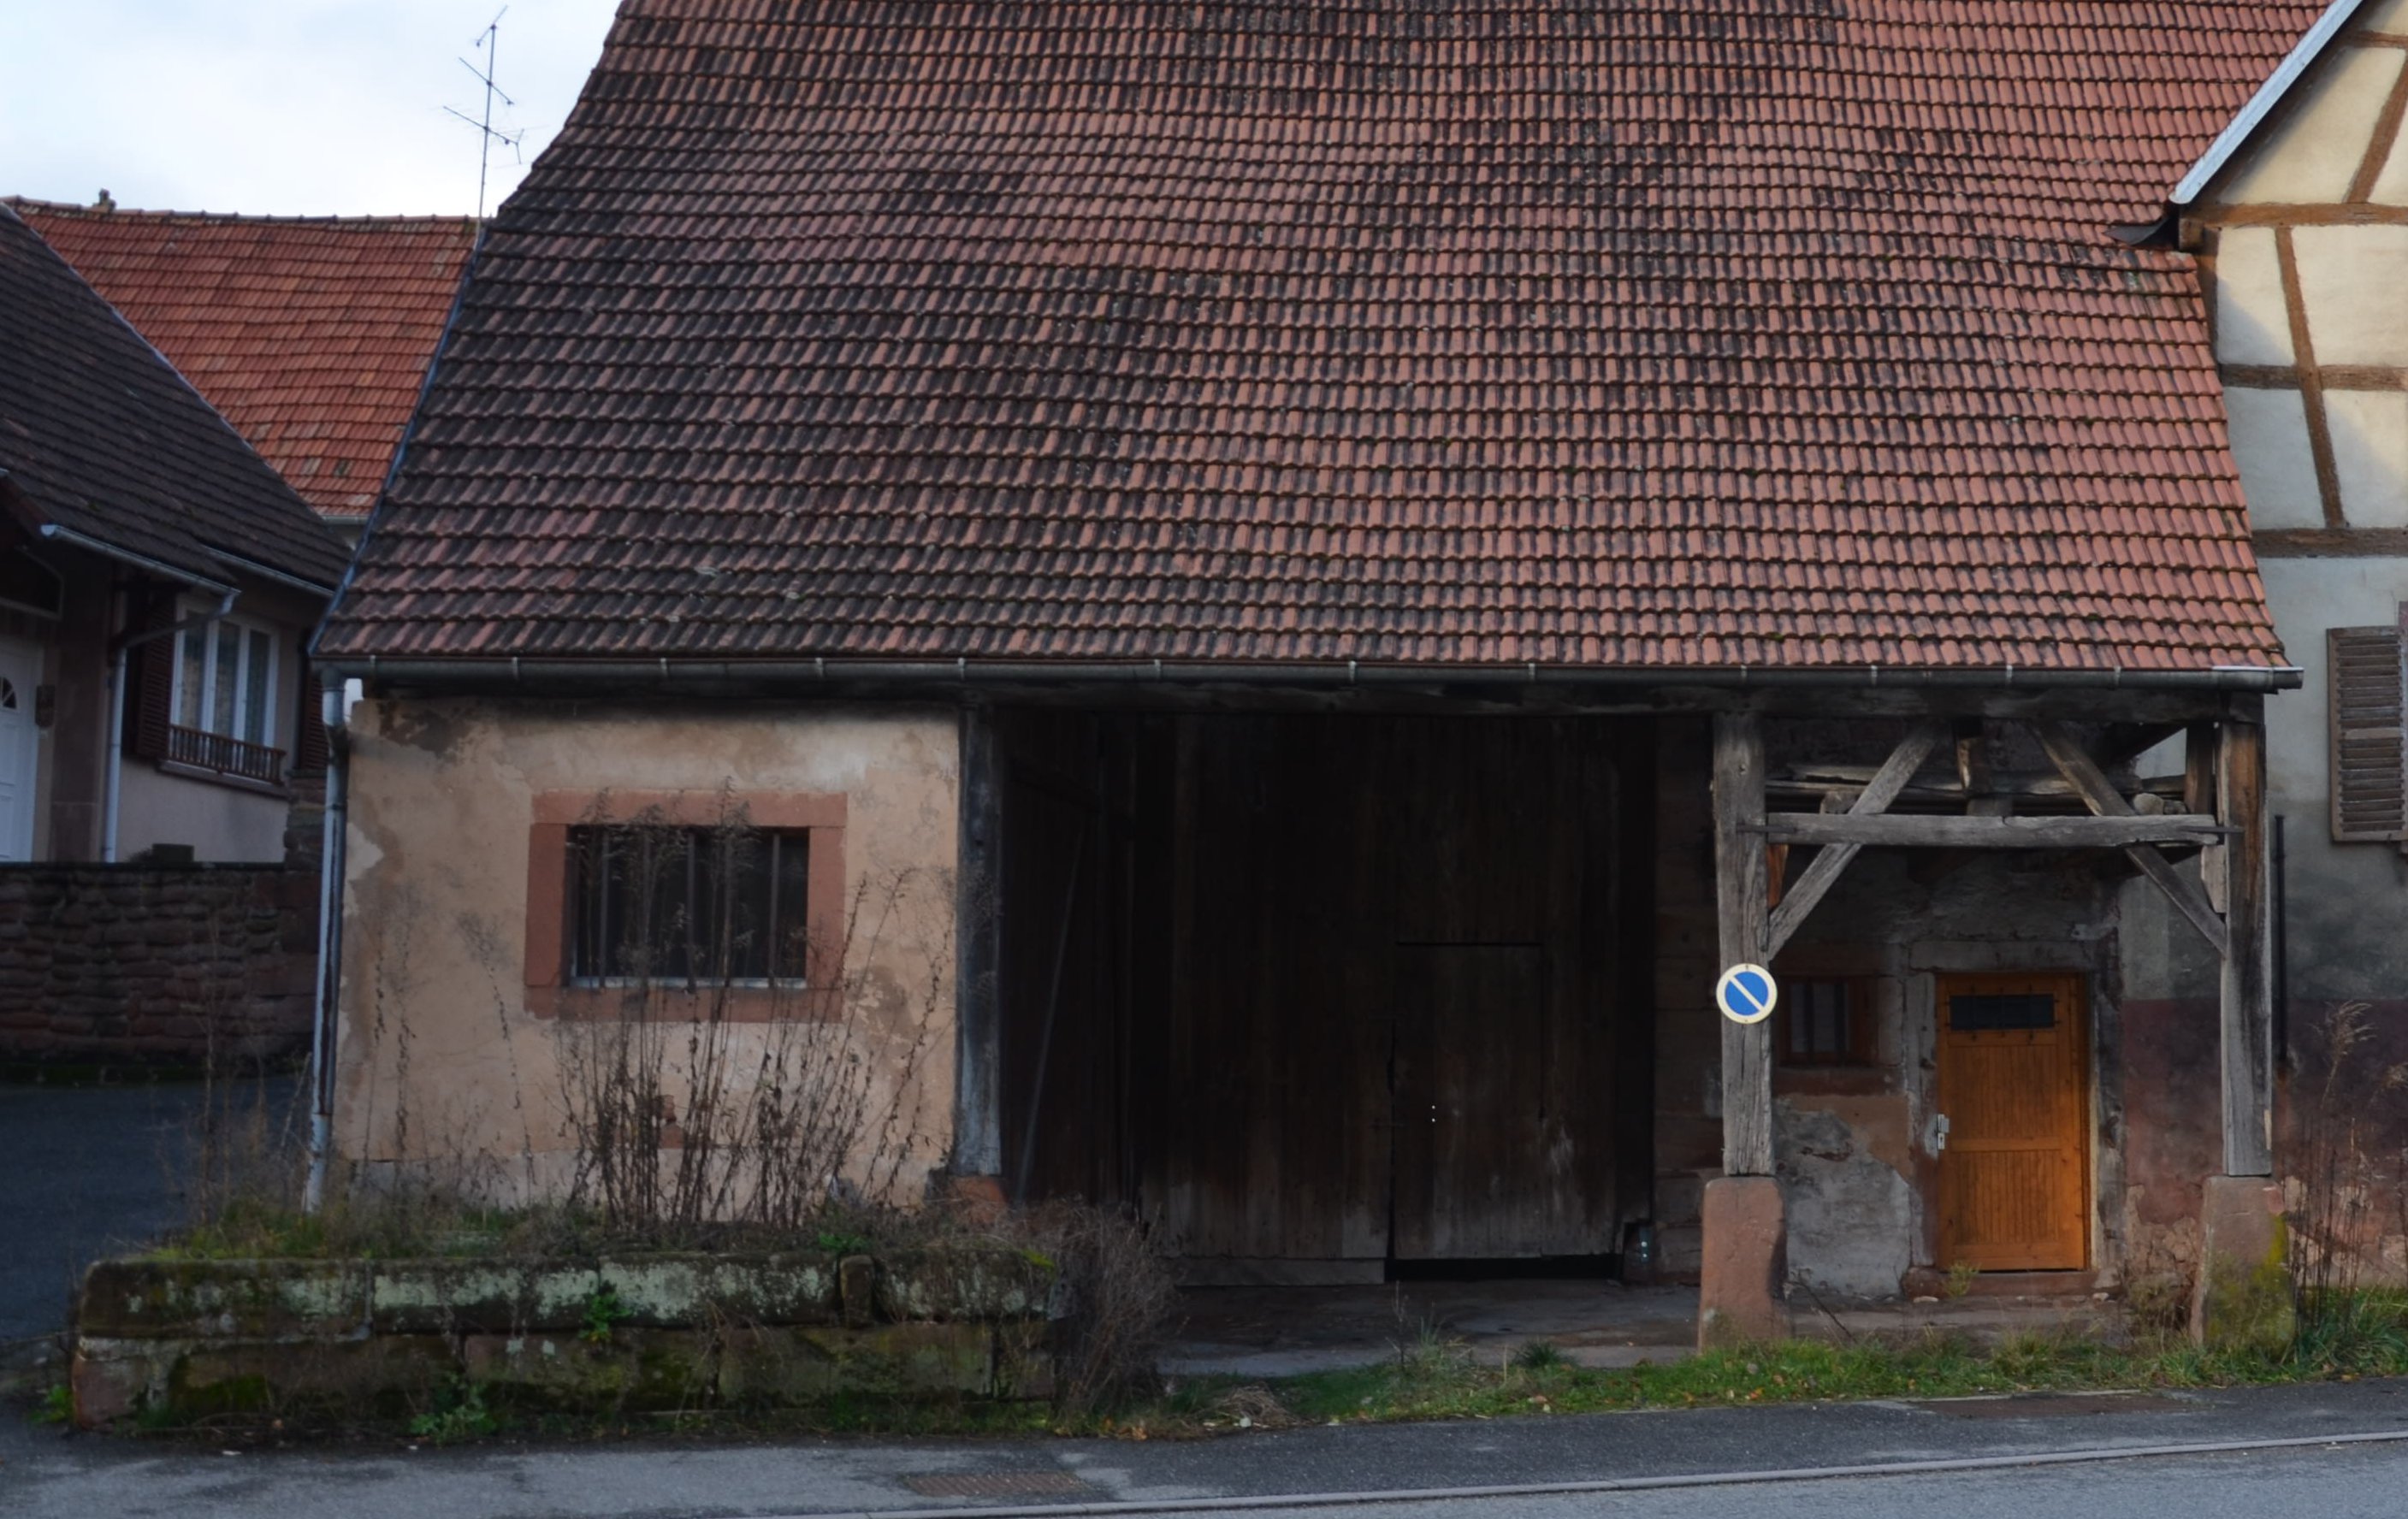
[{"x": 2304, "y": 242}]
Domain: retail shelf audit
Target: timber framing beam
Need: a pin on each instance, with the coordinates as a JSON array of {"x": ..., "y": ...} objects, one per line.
[
  {"x": 1881, "y": 790},
  {"x": 1909, "y": 831},
  {"x": 2188, "y": 897}
]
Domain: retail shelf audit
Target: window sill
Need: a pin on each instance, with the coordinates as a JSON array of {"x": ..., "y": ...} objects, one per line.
[
  {"x": 676, "y": 1005},
  {"x": 224, "y": 778}
]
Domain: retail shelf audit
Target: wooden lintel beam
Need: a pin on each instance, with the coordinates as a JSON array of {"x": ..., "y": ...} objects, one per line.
[
  {"x": 2188, "y": 894},
  {"x": 1881, "y": 790},
  {"x": 1948, "y": 789},
  {"x": 1909, "y": 831}
]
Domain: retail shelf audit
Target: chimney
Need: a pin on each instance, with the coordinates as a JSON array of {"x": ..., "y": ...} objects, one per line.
[{"x": 104, "y": 205}]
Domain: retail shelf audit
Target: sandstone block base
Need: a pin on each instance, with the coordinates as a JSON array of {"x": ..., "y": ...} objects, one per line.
[
  {"x": 2243, "y": 1295},
  {"x": 1744, "y": 1274}
]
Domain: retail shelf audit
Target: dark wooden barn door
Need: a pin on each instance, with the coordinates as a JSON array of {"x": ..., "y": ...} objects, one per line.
[
  {"x": 1470, "y": 1105},
  {"x": 1379, "y": 922}
]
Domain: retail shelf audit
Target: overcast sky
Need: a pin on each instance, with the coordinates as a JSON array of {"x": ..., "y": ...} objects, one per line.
[{"x": 290, "y": 107}]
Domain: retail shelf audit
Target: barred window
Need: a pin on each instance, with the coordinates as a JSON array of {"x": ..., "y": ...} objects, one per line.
[{"x": 694, "y": 907}]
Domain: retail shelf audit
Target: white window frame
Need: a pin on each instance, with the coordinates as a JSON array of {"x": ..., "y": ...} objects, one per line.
[{"x": 270, "y": 737}]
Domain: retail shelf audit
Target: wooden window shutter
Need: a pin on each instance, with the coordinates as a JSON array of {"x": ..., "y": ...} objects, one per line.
[
  {"x": 150, "y": 685},
  {"x": 2370, "y": 734},
  {"x": 309, "y": 733}
]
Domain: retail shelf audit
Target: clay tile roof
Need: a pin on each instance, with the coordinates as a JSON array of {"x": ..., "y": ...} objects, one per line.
[
  {"x": 1586, "y": 332},
  {"x": 311, "y": 334},
  {"x": 101, "y": 438}
]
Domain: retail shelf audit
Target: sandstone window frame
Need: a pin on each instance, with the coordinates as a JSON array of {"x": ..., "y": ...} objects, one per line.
[{"x": 549, "y": 990}]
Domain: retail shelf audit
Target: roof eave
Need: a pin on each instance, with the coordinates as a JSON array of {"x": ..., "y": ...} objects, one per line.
[{"x": 513, "y": 671}]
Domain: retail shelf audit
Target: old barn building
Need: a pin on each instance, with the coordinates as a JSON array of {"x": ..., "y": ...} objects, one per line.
[{"x": 1356, "y": 554}]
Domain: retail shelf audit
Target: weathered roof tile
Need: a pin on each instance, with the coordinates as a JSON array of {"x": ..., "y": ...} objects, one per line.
[
  {"x": 1643, "y": 333},
  {"x": 311, "y": 334}
]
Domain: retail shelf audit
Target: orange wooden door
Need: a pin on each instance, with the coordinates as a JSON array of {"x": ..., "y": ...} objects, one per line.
[{"x": 2014, "y": 1170}]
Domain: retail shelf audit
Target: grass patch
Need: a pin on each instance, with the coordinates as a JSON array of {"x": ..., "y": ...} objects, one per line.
[{"x": 1796, "y": 1371}]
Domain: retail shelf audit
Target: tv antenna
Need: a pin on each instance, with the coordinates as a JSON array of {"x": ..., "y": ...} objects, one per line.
[{"x": 489, "y": 43}]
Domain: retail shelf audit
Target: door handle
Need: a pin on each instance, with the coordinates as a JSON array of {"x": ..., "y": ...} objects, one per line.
[{"x": 1939, "y": 1132}]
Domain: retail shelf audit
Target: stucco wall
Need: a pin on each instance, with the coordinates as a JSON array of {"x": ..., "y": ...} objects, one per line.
[{"x": 442, "y": 1056}]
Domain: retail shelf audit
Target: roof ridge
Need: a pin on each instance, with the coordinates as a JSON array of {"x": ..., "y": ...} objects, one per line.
[{"x": 98, "y": 213}]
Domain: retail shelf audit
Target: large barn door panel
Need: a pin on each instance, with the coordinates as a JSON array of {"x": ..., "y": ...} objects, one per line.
[
  {"x": 1276, "y": 1147},
  {"x": 1472, "y": 1178}
]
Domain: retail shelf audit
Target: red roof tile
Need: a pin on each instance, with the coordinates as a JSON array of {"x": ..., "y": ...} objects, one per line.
[
  {"x": 311, "y": 335},
  {"x": 1638, "y": 333},
  {"x": 102, "y": 440}
]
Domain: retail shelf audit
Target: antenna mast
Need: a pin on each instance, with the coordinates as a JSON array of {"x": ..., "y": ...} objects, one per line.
[{"x": 489, "y": 43}]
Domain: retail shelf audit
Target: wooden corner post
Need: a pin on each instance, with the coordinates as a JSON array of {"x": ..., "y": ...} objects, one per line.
[
  {"x": 2241, "y": 1234},
  {"x": 1742, "y": 896},
  {"x": 2249, "y": 984},
  {"x": 1743, "y": 1278}
]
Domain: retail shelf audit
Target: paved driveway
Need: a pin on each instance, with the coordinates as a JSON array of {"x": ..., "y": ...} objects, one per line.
[{"x": 85, "y": 1170}]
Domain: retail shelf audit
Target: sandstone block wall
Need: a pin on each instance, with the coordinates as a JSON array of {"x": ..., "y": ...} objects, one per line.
[{"x": 156, "y": 964}]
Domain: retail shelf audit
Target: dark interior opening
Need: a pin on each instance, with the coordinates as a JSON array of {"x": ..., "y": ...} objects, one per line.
[{"x": 1329, "y": 996}]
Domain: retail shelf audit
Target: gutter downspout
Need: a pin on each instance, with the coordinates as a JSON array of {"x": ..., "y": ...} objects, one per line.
[
  {"x": 117, "y": 662},
  {"x": 330, "y": 942}
]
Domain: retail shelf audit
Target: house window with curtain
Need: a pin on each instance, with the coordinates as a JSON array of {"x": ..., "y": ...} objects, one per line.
[{"x": 222, "y": 711}]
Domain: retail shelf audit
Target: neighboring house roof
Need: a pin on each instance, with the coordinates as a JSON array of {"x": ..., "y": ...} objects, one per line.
[
  {"x": 311, "y": 334},
  {"x": 1649, "y": 334},
  {"x": 103, "y": 443}
]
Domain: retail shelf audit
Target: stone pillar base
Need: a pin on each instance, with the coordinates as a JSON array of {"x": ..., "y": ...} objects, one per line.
[
  {"x": 1745, "y": 1273},
  {"x": 2243, "y": 1295}
]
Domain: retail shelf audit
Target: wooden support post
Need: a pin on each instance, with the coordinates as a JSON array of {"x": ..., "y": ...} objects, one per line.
[
  {"x": 978, "y": 1012},
  {"x": 1744, "y": 912},
  {"x": 2248, "y": 1001}
]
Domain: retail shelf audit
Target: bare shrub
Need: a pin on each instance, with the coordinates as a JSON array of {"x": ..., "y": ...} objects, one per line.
[
  {"x": 1115, "y": 1306},
  {"x": 2346, "y": 1193},
  {"x": 739, "y": 1082}
]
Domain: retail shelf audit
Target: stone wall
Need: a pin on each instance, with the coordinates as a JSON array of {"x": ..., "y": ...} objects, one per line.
[
  {"x": 179, "y": 1341},
  {"x": 158, "y": 964}
]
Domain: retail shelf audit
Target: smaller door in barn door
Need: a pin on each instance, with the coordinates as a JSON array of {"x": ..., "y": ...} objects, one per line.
[
  {"x": 20, "y": 670},
  {"x": 2015, "y": 1158},
  {"x": 1470, "y": 1171}
]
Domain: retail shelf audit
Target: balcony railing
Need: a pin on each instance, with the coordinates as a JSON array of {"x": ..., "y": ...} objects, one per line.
[{"x": 225, "y": 755}]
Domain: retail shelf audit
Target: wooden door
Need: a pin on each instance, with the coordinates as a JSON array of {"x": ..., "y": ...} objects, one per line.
[
  {"x": 1472, "y": 1173},
  {"x": 2014, "y": 1165}
]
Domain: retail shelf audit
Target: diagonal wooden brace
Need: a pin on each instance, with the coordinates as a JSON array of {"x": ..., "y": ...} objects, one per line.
[
  {"x": 2099, "y": 795},
  {"x": 1883, "y": 789}
]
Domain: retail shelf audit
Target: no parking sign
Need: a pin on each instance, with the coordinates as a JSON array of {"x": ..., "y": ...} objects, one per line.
[{"x": 1747, "y": 993}]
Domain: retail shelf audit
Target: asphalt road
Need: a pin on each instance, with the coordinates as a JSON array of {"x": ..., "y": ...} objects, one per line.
[{"x": 45, "y": 1474}]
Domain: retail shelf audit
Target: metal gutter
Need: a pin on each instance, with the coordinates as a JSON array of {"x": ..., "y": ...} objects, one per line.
[
  {"x": 250, "y": 566},
  {"x": 2237, "y": 132},
  {"x": 52, "y": 532},
  {"x": 1340, "y": 674}
]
